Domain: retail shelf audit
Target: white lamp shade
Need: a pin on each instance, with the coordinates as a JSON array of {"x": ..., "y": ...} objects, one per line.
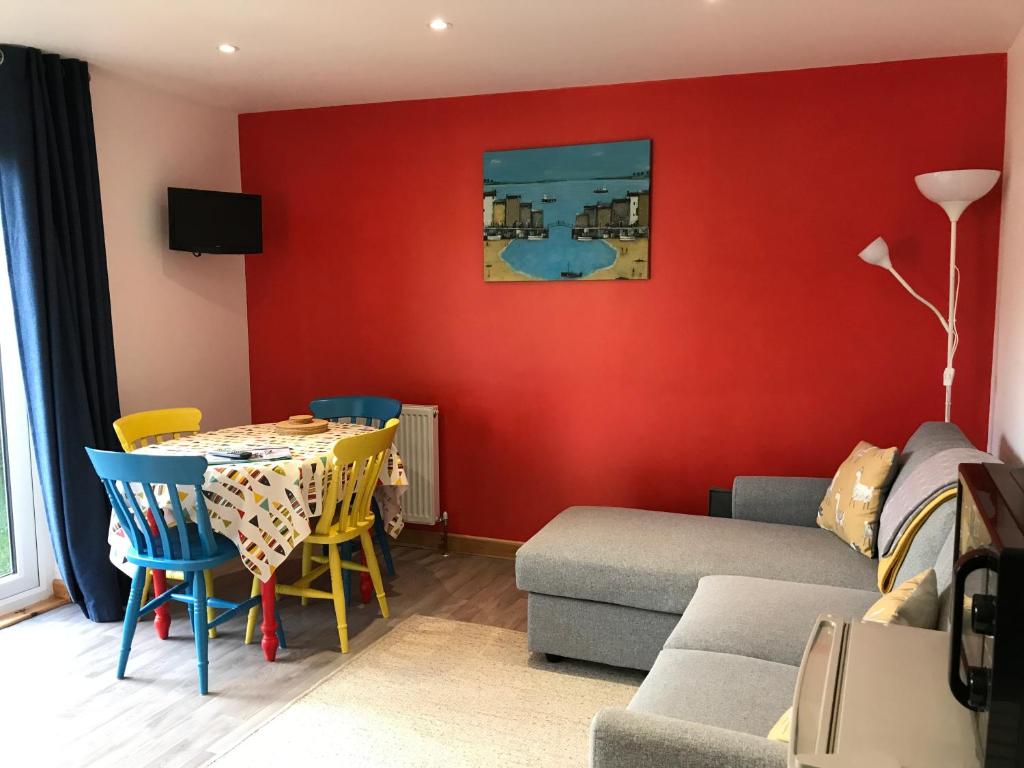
[
  {"x": 955, "y": 190},
  {"x": 877, "y": 253}
]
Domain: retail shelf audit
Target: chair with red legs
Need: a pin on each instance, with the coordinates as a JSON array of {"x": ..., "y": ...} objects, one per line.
[{"x": 134, "y": 483}]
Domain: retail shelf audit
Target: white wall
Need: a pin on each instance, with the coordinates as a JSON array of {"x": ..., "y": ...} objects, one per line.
[
  {"x": 180, "y": 329},
  {"x": 1006, "y": 436}
]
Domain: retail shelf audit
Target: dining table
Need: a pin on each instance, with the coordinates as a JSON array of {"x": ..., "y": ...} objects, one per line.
[{"x": 265, "y": 507}]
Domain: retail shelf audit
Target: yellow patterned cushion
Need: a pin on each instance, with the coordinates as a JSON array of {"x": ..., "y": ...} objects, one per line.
[
  {"x": 914, "y": 603},
  {"x": 780, "y": 731},
  {"x": 854, "y": 499}
]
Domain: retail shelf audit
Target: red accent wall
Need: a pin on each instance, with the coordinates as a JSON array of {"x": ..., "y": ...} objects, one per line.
[{"x": 760, "y": 345}]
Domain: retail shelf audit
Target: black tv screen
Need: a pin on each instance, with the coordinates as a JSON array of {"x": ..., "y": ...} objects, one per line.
[{"x": 201, "y": 221}]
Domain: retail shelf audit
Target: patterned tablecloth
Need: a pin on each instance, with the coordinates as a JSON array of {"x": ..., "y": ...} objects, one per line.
[{"x": 266, "y": 508}]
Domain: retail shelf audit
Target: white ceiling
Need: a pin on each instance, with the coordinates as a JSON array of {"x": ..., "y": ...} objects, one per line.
[{"x": 301, "y": 53}]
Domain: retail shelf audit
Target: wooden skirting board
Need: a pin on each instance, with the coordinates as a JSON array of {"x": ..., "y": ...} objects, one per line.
[
  {"x": 60, "y": 590},
  {"x": 59, "y": 597},
  {"x": 457, "y": 542}
]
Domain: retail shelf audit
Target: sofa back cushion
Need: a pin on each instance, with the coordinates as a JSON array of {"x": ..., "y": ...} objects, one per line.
[
  {"x": 931, "y": 438},
  {"x": 921, "y": 505},
  {"x": 927, "y": 465},
  {"x": 925, "y": 550}
]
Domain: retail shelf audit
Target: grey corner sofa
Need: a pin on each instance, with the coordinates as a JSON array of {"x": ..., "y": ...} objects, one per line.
[{"x": 719, "y": 610}]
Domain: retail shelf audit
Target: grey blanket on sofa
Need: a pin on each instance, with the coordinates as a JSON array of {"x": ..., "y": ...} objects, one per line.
[{"x": 921, "y": 480}]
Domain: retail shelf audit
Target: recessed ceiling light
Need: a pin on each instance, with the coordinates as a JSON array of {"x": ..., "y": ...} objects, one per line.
[
  {"x": 440, "y": 25},
  {"x": 227, "y": 48}
]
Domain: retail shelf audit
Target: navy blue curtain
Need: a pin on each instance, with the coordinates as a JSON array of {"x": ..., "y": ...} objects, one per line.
[{"x": 53, "y": 233}]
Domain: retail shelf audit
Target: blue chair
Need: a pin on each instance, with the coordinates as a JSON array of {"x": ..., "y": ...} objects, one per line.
[
  {"x": 357, "y": 409},
  {"x": 189, "y": 547},
  {"x": 371, "y": 411}
]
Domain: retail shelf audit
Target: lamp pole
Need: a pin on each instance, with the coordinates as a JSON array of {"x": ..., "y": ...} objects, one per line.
[
  {"x": 951, "y": 337},
  {"x": 953, "y": 191}
]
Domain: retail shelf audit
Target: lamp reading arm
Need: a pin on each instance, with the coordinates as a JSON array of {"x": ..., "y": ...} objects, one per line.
[{"x": 919, "y": 297}]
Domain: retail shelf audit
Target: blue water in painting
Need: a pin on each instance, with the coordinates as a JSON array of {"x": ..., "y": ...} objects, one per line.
[{"x": 547, "y": 259}]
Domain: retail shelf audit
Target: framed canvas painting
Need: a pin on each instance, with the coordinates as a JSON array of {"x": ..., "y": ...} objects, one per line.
[{"x": 575, "y": 212}]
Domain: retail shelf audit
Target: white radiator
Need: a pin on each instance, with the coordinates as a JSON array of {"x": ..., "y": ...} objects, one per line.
[{"x": 417, "y": 445}]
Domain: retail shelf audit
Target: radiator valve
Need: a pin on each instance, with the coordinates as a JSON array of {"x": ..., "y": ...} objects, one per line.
[{"x": 444, "y": 534}]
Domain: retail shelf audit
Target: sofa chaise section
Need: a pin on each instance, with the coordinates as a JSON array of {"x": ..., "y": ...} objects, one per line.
[
  {"x": 653, "y": 560},
  {"x": 597, "y": 575},
  {"x": 617, "y": 635}
]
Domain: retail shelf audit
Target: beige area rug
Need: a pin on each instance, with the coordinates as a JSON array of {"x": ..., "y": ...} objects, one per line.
[{"x": 434, "y": 692}]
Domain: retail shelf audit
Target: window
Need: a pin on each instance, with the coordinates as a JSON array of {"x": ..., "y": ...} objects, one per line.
[{"x": 21, "y": 532}]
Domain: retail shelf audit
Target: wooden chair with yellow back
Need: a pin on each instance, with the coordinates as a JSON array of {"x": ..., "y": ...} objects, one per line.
[
  {"x": 346, "y": 515},
  {"x": 137, "y": 430}
]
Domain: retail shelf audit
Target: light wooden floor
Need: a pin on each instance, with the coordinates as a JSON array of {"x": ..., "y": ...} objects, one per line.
[{"x": 60, "y": 704}]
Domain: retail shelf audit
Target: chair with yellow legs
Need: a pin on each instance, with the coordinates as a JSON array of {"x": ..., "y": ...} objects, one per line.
[
  {"x": 346, "y": 515},
  {"x": 137, "y": 430}
]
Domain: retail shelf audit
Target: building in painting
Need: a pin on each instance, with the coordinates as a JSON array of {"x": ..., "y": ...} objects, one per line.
[
  {"x": 623, "y": 218},
  {"x": 620, "y": 212},
  {"x": 512, "y": 210},
  {"x": 489, "y": 195},
  {"x": 643, "y": 209},
  {"x": 525, "y": 212},
  {"x": 511, "y": 218}
]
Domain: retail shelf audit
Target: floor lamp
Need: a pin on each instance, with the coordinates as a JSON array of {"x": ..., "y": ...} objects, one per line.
[{"x": 954, "y": 191}]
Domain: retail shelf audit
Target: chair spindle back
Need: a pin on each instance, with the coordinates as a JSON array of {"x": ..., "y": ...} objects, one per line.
[
  {"x": 355, "y": 465},
  {"x": 147, "y": 427},
  {"x": 357, "y": 409},
  {"x": 126, "y": 475}
]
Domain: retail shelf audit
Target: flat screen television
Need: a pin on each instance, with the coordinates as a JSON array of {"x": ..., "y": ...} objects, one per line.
[
  {"x": 203, "y": 221},
  {"x": 986, "y": 670}
]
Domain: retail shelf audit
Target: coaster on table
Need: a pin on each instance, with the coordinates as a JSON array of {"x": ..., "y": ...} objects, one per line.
[{"x": 303, "y": 424}]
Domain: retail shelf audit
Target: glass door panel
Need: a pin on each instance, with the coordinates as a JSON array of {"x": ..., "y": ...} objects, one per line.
[{"x": 19, "y": 561}]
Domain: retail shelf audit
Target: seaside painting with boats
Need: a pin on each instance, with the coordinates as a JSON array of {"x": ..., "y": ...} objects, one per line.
[{"x": 575, "y": 212}]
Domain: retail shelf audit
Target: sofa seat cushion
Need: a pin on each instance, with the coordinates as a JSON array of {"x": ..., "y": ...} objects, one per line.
[
  {"x": 653, "y": 560},
  {"x": 761, "y": 618},
  {"x": 717, "y": 689}
]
